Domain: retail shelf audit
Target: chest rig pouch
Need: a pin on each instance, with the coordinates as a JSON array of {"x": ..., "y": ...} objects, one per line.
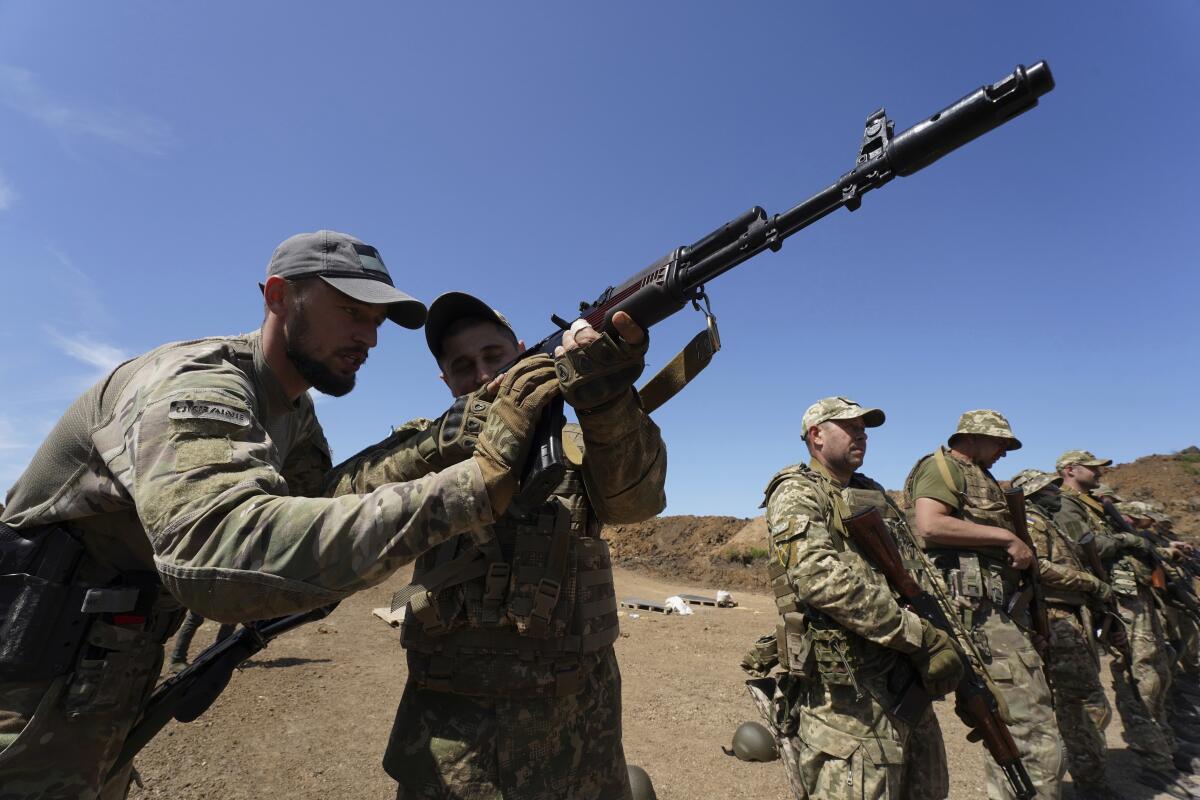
[
  {"x": 1124, "y": 578},
  {"x": 542, "y": 586}
]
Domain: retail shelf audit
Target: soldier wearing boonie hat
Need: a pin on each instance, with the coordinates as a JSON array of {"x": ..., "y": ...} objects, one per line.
[
  {"x": 1140, "y": 694},
  {"x": 1072, "y": 663},
  {"x": 839, "y": 609},
  {"x": 197, "y": 475},
  {"x": 961, "y": 515}
]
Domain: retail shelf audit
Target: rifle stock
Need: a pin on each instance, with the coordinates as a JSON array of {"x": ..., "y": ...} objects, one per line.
[
  {"x": 972, "y": 696},
  {"x": 1015, "y": 498}
]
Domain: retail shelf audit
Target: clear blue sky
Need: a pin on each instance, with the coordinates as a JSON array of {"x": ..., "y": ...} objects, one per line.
[{"x": 153, "y": 154}]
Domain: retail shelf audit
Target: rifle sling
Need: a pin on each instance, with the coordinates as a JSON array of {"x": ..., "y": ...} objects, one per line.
[{"x": 679, "y": 371}]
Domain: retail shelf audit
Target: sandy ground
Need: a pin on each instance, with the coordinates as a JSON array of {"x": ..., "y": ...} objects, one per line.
[{"x": 309, "y": 717}]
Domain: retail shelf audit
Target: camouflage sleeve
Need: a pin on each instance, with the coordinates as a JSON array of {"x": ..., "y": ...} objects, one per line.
[
  {"x": 396, "y": 459},
  {"x": 624, "y": 463},
  {"x": 1060, "y": 576},
  {"x": 229, "y": 541},
  {"x": 1074, "y": 522},
  {"x": 837, "y": 583}
]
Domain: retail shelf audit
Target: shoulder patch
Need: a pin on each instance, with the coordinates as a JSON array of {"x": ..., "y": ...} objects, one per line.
[
  {"x": 196, "y": 409},
  {"x": 780, "y": 527}
]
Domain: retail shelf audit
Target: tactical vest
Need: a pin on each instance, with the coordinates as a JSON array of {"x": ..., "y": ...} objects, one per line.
[
  {"x": 523, "y": 610},
  {"x": 974, "y": 573},
  {"x": 1127, "y": 572},
  {"x": 808, "y": 641}
]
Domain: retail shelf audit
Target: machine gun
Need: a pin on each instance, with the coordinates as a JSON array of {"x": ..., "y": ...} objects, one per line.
[
  {"x": 184, "y": 697},
  {"x": 679, "y": 278},
  {"x": 973, "y": 697}
]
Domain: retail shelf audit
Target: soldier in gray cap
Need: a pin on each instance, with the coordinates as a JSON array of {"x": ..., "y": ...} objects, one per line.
[
  {"x": 961, "y": 515},
  {"x": 197, "y": 475},
  {"x": 509, "y": 638},
  {"x": 847, "y": 647}
]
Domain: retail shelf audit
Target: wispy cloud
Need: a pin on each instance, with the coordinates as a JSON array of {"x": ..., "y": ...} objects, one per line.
[
  {"x": 8, "y": 195},
  {"x": 134, "y": 130},
  {"x": 83, "y": 347}
]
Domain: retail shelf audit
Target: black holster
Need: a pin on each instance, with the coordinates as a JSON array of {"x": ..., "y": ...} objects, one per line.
[{"x": 42, "y": 623}]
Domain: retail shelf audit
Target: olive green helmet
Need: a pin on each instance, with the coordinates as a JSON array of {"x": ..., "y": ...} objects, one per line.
[
  {"x": 753, "y": 742},
  {"x": 639, "y": 783}
]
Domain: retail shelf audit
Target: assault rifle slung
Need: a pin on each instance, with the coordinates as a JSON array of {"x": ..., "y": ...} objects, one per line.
[{"x": 973, "y": 697}]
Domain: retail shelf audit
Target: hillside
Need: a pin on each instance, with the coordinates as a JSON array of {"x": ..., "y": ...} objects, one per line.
[{"x": 727, "y": 552}]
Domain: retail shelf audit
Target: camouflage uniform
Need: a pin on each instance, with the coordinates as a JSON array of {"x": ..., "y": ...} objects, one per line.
[
  {"x": 1141, "y": 705},
  {"x": 842, "y": 640},
  {"x": 189, "y": 466},
  {"x": 1072, "y": 661},
  {"x": 513, "y": 686},
  {"x": 982, "y": 581}
]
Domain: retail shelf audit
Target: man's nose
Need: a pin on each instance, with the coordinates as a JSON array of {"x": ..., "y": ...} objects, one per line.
[{"x": 367, "y": 335}]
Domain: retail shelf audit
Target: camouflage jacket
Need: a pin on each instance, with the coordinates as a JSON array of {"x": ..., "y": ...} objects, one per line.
[
  {"x": 1081, "y": 513},
  {"x": 805, "y": 513},
  {"x": 1060, "y": 565},
  {"x": 190, "y": 461}
]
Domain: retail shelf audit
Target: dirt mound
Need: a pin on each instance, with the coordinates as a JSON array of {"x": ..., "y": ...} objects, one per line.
[
  {"x": 1173, "y": 481},
  {"x": 722, "y": 552}
]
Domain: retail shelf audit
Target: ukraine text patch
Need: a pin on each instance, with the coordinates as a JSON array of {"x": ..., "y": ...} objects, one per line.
[{"x": 195, "y": 409}]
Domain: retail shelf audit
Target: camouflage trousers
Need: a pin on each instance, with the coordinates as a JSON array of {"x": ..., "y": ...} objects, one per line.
[
  {"x": 64, "y": 735},
  {"x": 1082, "y": 709},
  {"x": 1015, "y": 668},
  {"x": 1141, "y": 698},
  {"x": 447, "y": 746},
  {"x": 847, "y": 747}
]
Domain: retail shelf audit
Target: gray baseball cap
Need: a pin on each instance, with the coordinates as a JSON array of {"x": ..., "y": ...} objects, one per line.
[
  {"x": 453, "y": 306},
  {"x": 349, "y": 265}
]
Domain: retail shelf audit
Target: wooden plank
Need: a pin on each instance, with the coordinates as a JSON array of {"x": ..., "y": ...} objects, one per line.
[{"x": 643, "y": 605}]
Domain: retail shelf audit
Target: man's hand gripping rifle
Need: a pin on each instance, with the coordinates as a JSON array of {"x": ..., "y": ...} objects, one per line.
[
  {"x": 974, "y": 699},
  {"x": 679, "y": 278}
]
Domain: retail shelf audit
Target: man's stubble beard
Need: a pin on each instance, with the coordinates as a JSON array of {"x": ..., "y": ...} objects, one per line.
[{"x": 316, "y": 374}]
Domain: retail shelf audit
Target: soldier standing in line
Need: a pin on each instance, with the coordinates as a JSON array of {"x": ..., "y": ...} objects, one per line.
[
  {"x": 513, "y": 686},
  {"x": 1140, "y": 687},
  {"x": 963, "y": 520},
  {"x": 194, "y": 475},
  {"x": 1072, "y": 661},
  {"x": 848, "y": 643}
]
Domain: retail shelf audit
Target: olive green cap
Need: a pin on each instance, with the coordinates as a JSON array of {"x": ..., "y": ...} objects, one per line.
[
  {"x": 838, "y": 408},
  {"x": 1104, "y": 490},
  {"x": 986, "y": 422},
  {"x": 1082, "y": 457},
  {"x": 1032, "y": 481}
]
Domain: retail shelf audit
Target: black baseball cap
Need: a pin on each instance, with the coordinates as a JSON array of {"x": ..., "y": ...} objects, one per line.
[
  {"x": 453, "y": 306},
  {"x": 349, "y": 265}
]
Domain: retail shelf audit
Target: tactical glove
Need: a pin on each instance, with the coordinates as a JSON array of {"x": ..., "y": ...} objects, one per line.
[
  {"x": 1135, "y": 543},
  {"x": 1101, "y": 590},
  {"x": 595, "y": 375},
  {"x": 505, "y": 440},
  {"x": 459, "y": 428},
  {"x": 937, "y": 661}
]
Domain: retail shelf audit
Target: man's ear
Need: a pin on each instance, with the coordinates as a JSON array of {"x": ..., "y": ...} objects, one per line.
[
  {"x": 275, "y": 295},
  {"x": 521, "y": 345}
]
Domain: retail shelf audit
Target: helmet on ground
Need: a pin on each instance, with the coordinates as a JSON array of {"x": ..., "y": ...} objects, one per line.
[
  {"x": 753, "y": 742},
  {"x": 640, "y": 783}
]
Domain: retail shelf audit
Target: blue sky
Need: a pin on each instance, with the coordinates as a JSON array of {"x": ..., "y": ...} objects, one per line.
[{"x": 153, "y": 154}]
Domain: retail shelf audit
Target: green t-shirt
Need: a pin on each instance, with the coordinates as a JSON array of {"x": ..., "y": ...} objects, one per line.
[{"x": 928, "y": 482}]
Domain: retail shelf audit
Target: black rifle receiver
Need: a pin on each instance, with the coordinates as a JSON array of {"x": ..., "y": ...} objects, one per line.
[{"x": 678, "y": 278}]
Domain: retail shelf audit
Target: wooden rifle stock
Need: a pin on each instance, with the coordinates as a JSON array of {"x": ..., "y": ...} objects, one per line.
[
  {"x": 1015, "y": 498},
  {"x": 973, "y": 698}
]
